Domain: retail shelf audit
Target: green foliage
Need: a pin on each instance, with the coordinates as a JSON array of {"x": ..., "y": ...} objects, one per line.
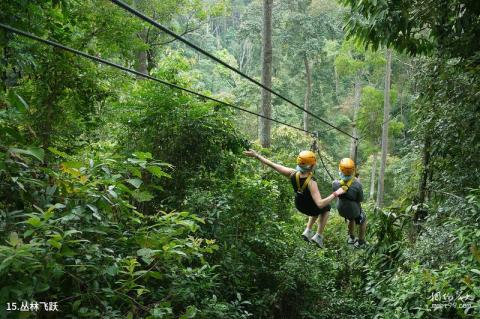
[
  {"x": 192, "y": 135},
  {"x": 350, "y": 60},
  {"x": 449, "y": 111},
  {"x": 371, "y": 115},
  {"x": 260, "y": 242},
  {"x": 74, "y": 233},
  {"x": 417, "y": 271},
  {"x": 251, "y": 236},
  {"x": 416, "y": 26},
  {"x": 122, "y": 198}
]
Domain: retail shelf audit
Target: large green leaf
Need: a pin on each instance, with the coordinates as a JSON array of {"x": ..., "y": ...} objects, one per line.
[
  {"x": 147, "y": 254},
  {"x": 13, "y": 239},
  {"x": 36, "y": 152},
  {"x": 35, "y": 221},
  {"x": 135, "y": 182},
  {"x": 142, "y": 196},
  {"x": 158, "y": 172},
  {"x": 18, "y": 102},
  {"x": 143, "y": 155}
]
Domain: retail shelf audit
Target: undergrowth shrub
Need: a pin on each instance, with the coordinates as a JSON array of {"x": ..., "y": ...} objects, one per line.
[
  {"x": 435, "y": 276},
  {"x": 71, "y": 233}
]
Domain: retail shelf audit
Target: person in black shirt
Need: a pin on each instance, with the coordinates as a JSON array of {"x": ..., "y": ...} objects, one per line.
[
  {"x": 307, "y": 196},
  {"x": 349, "y": 206}
]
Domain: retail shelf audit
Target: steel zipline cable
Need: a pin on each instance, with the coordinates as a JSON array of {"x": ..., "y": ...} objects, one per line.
[
  {"x": 146, "y": 76},
  {"x": 315, "y": 148},
  {"x": 142, "y": 16}
]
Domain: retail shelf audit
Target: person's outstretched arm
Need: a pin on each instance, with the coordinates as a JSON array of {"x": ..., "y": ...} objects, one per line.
[
  {"x": 319, "y": 201},
  {"x": 279, "y": 168}
]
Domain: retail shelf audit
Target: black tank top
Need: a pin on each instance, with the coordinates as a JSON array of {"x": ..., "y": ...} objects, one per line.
[{"x": 304, "y": 201}]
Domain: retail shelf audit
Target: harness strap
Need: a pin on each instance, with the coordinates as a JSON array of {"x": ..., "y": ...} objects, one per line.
[
  {"x": 346, "y": 185},
  {"x": 301, "y": 189}
]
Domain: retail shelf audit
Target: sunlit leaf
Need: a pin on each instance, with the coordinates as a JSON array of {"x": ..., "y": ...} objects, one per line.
[
  {"x": 36, "y": 152},
  {"x": 135, "y": 182}
]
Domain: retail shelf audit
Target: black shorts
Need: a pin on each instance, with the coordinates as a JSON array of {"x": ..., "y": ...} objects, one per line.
[
  {"x": 360, "y": 219},
  {"x": 313, "y": 211}
]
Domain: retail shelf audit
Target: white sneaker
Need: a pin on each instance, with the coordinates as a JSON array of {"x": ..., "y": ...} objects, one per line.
[
  {"x": 318, "y": 240},
  {"x": 307, "y": 234},
  {"x": 351, "y": 240},
  {"x": 359, "y": 245}
]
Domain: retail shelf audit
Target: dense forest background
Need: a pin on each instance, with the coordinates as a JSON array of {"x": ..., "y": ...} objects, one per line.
[{"x": 123, "y": 198}]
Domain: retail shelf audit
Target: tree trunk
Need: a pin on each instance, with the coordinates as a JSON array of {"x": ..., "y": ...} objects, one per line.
[
  {"x": 141, "y": 56},
  {"x": 308, "y": 91},
  {"x": 266, "y": 109},
  {"x": 4, "y": 76},
  {"x": 337, "y": 84},
  {"x": 356, "y": 106},
  {"x": 422, "y": 189},
  {"x": 218, "y": 37},
  {"x": 244, "y": 55},
  {"x": 50, "y": 114},
  {"x": 49, "y": 111},
  {"x": 372, "y": 176},
  {"x": 386, "y": 115}
]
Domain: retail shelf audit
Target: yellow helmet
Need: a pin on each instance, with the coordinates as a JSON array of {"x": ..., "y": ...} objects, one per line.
[
  {"x": 347, "y": 166},
  {"x": 306, "y": 158}
]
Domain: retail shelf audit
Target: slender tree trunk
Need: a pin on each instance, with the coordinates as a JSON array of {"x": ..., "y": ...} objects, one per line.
[
  {"x": 337, "y": 84},
  {"x": 244, "y": 55},
  {"x": 47, "y": 130},
  {"x": 372, "y": 176},
  {"x": 308, "y": 91},
  {"x": 141, "y": 56},
  {"x": 217, "y": 36},
  {"x": 422, "y": 189},
  {"x": 266, "y": 109},
  {"x": 49, "y": 110},
  {"x": 401, "y": 98},
  {"x": 386, "y": 115},
  {"x": 4, "y": 75},
  {"x": 431, "y": 171},
  {"x": 356, "y": 106}
]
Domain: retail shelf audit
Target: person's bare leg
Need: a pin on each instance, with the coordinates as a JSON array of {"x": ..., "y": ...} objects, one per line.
[
  {"x": 362, "y": 229},
  {"x": 308, "y": 233},
  {"x": 351, "y": 228},
  {"x": 318, "y": 237},
  {"x": 322, "y": 222},
  {"x": 311, "y": 221}
]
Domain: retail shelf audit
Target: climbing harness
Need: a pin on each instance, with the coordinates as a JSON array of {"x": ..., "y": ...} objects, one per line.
[
  {"x": 301, "y": 189},
  {"x": 346, "y": 184}
]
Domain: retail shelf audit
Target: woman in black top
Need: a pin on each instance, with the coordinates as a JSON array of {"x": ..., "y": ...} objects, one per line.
[{"x": 307, "y": 196}]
